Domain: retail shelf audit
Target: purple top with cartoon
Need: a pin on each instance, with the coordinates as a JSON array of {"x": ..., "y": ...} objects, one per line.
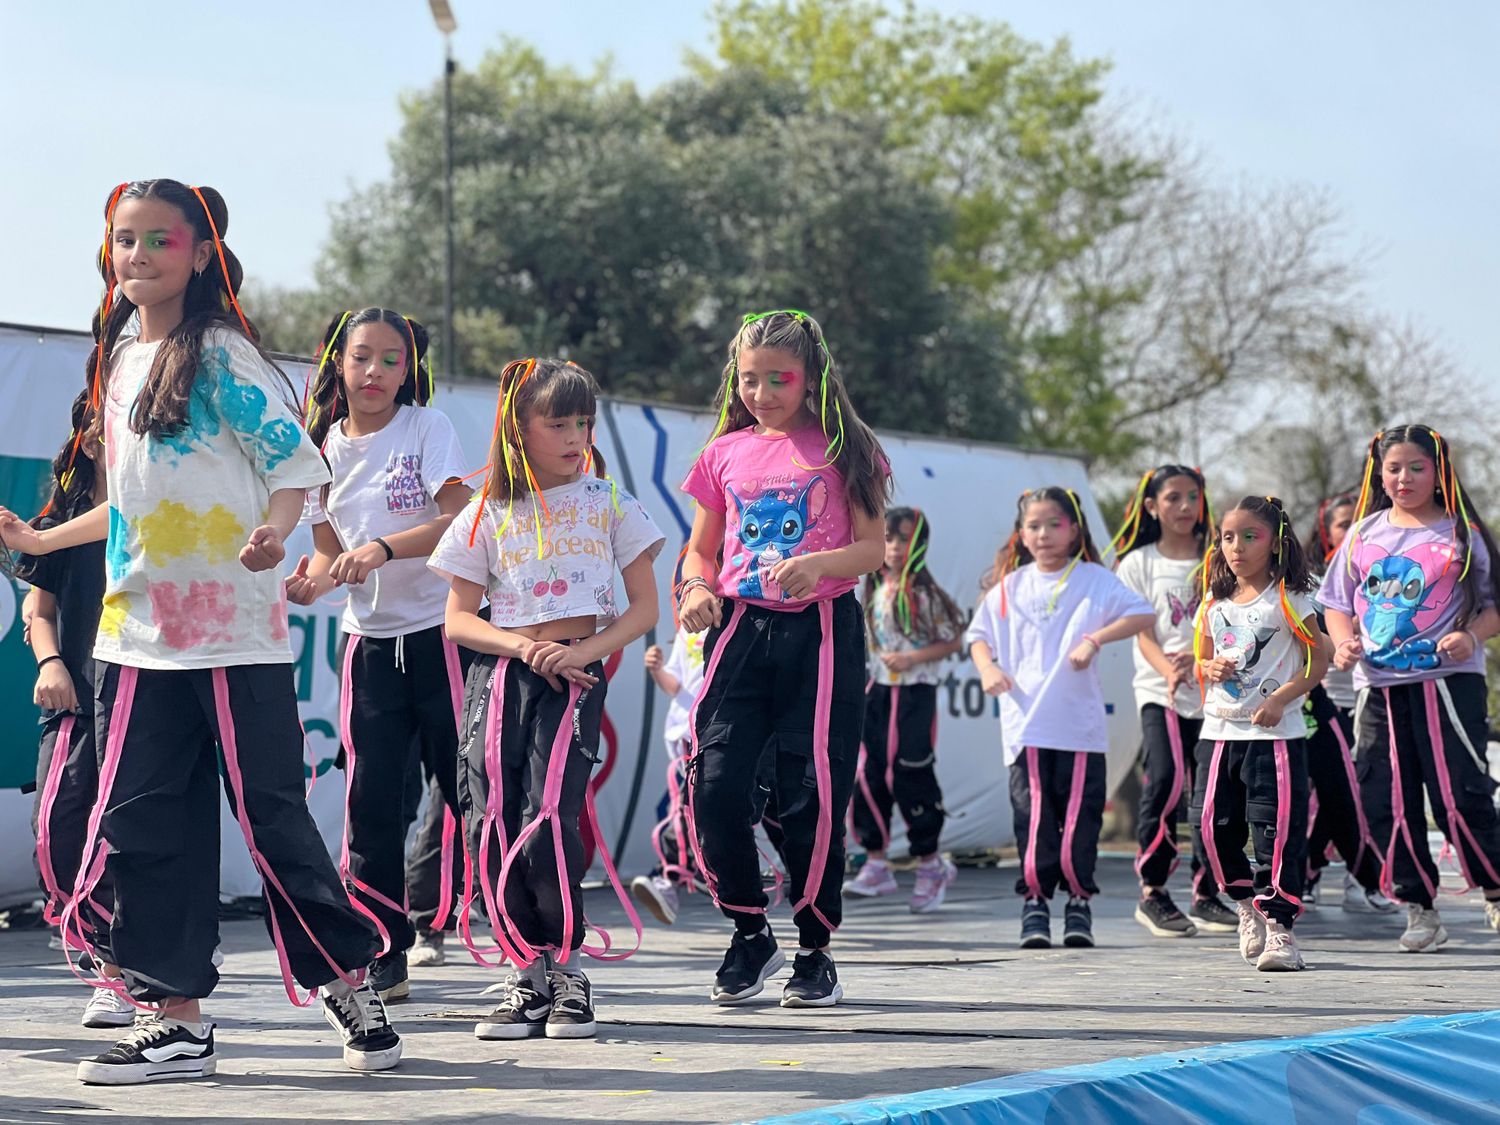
[
  {"x": 1400, "y": 584},
  {"x": 777, "y": 504}
]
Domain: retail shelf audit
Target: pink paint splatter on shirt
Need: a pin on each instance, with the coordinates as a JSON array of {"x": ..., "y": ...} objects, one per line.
[
  {"x": 279, "y": 629},
  {"x": 204, "y": 616}
]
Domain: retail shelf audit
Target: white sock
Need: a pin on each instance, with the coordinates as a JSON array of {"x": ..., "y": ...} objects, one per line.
[
  {"x": 573, "y": 967},
  {"x": 338, "y": 987}
]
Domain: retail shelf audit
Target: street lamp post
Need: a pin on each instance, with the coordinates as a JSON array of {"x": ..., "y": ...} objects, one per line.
[{"x": 442, "y": 15}]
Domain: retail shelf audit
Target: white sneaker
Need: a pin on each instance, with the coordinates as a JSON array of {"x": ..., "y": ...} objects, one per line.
[
  {"x": 657, "y": 894},
  {"x": 217, "y": 958},
  {"x": 1357, "y": 900},
  {"x": 107, "y": 1008},
  {"x": 1492, "y": 914},
  {"x": 1424, "y": 930},
  {"x": 1280, "y": 954},
  {"x": 427, "y": 949},
  {"x": 1252, "y": 931},
  {"x": 55, "y": 941},
  {"x": 875, "y": 878}
]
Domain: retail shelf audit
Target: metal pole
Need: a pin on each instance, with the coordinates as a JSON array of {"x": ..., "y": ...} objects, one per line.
[{"x": 450, "y": 347}]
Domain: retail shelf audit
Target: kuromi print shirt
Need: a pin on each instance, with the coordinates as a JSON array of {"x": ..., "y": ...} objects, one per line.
[
  {"x": 1266, "y": 654},
  {"x": 383, "y": 483},
  {"x": 182, "y": 506},
  {"x": 1401, "y": 585},
  {"x": 1173, "y": 589},
  {"x": 777, "y": 504}
]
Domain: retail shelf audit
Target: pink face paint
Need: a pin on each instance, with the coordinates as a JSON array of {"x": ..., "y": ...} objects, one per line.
[{"x": 784, "y": 378}]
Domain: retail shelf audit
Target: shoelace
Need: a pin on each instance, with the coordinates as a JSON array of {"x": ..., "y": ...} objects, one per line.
[
  {"x": 519, "y": 994},
  {"x": 361, "y": 1010},
  {"x": 567, "y": 989},
  {"x": 1278, "y": 939},
  {"x": 145, "y": 1030}
]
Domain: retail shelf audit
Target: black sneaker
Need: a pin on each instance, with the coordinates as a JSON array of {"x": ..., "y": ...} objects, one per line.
[
  {"x": 154, "y": 1049},
  {"x": 814, "y": 983},
  {"x": 1036, "y": 924},
  {"x": 388, "y": 976},
  {"x": 522, "y": 1015},
  {"x": 358, "y": 1014},
  {"x": 572, "y": 1014},
  {"x": 746, "y": 966},
  {"x": 1211, "y": 914},
  {"x": 1159, "y": 914},
  {"x": 1078, "y": 924}
]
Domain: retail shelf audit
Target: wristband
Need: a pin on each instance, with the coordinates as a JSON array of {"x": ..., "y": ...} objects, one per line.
[
  {"x": 46, "y": 660},
  {"x": 688, "y": 584},
  {"x": 1090, "y": 638},
  {"x": 389, "y": 554}
]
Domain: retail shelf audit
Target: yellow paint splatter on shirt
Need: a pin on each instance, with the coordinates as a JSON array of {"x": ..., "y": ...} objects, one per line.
[
  {"x": 174, "y": 530},
  {"x": 114, "y": 612}
]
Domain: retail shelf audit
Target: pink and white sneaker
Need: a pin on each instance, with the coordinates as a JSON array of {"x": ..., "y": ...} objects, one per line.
[
  {"x": 875, "y": 878},
  {"x": 933, "y": 877}
]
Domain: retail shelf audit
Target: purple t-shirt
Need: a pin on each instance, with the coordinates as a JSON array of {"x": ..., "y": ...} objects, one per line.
[
  {"x": 1400, "y": 584},
  {"x": 777, "y": 503}
]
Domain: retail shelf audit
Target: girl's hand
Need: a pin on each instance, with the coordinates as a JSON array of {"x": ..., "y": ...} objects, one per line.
[
  {"x": 654, "y": 658},
  {"x": 1183, "y": 663},
  {"x": 19, "y": 535},
  {"x": 701, "y": 607},
  {"x": 54, "y": 688},
  {"x": 263, "y": 550},
  {"x": 352, "y": 567},
  {"x": 1269, "y": 713},
  {"x": 556, "y": 662},
  {"x": 1218, "y": 669},
  {"x": 897, "y": 661},
  {"x": 1457, "y": 646},
  {"x": 1082, "y": 656},
  {"x": 995, "y": 681},
  {"x": 300, "y": 589},
  {"x": 1348, "y": 654},
  {"x": 798, "y": 576}
]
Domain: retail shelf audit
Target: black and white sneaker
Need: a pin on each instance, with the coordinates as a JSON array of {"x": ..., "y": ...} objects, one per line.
[
  {"x": 1078, "y": 924},
  {"x": 747, "y": 965},
  {"x": 814, "y": 983},
  {"x": 1209, "y": 913},
  {"x": 1036, "y": 924},
  {"x": 389, "y": 978},
  {"x": 572, "y": 1015},
  {"x": 1159, "y": 914},
  {"x": 154, "y": 1049},
  {"x": 523, "y": 1013},
  {"x": 358, "y": 1015}
]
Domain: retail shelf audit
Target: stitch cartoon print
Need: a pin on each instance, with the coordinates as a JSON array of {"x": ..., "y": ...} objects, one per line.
[
  {"x": 771, "y": 527},
  {"x": 1402, "y": 596}
]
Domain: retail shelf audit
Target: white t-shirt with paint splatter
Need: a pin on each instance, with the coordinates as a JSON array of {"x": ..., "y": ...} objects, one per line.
[{"x": 181, "y": 507}]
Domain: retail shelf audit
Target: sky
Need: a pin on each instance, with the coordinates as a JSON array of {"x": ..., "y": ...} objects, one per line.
[{"x": 287, "y": 107}]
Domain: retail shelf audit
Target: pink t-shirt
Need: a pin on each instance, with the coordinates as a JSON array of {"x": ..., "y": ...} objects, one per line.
[{"x": 777, "y": 504}]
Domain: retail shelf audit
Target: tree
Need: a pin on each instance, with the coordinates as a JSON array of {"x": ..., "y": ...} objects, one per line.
[
  {"x": 1009, "y": 134},
  {"x": 633, "y": 233}
]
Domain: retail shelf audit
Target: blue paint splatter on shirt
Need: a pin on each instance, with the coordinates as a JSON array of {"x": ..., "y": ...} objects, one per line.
[{"x": 116, "y": 555}]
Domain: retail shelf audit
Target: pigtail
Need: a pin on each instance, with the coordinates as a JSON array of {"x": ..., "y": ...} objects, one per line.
[{"x": 323, "y": 401}]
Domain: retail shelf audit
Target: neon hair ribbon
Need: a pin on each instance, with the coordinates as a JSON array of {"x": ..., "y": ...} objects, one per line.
[
  {"x": 310, "y": 408},
  {"x": 223, "y": 264},
  {"x": 916, "y": 562},
  {"x": 1298, "y": 629},
  {"x": 1132, "y": 523}
]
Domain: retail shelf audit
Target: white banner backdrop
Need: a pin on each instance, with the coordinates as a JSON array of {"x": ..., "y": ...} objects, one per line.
[{"x": 968, "y": 492}]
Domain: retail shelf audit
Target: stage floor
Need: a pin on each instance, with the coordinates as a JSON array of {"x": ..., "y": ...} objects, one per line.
[{"x": 936, "y": 1000}]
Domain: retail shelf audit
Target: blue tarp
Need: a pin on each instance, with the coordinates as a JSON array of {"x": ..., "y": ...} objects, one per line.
[{"x": 1426, "y": 1069}]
